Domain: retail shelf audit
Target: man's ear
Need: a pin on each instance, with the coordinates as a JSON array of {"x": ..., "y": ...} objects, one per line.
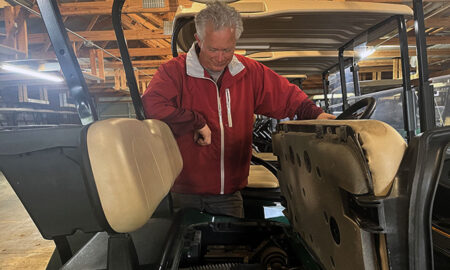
[{"x": 197, "y": 39}]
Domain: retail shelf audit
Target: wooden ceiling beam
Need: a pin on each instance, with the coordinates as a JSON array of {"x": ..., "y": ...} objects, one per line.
[
  {"x": 396, "y": 53},
  {"x": 133, "y": 24},
  {"x": 105, "y": 7},
  {"x": 368, "y": 63},
  {"x": 138, "y": 64},
  {"x": 21, "y": 30},
  {"x": 9, "y": 26},
  {"x": 376, "y": 69},
  {"x": 108, "y": 35},
  {"x": 142, "y": 21},
  {"x": 438, "y": 22},
  {"x": 88, "y": 28},
  {"x": 137, "y": 52},
  {"x": 153, "y": 18},
  {"x": 431, "y": 40},
  {"x": 134, "y": 52},
  {"x": 440, "y": 73}
]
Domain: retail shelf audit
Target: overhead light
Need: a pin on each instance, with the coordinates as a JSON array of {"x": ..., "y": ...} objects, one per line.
[
  {"x": 32, "y": 73},
  {"x": 366, "y": 54}
]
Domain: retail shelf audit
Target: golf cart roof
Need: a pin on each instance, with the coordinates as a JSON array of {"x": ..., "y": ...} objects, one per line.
[
  {"x": 295, "y": 25},
  {"x": 305, "y": 62}
]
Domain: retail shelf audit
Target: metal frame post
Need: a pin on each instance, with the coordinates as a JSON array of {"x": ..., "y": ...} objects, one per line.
[
  {"x": 426, "y": 100},
  {"x": 355, "y": 69},
  {"x": 67, "y": 60},
  {"x": 325, "y": 91},
  {"x": 300, "y": 83},
  {"x": 343, "y": 81},
  {"x": 127, "y": 65},
  {"x": 409, "y": 116}
]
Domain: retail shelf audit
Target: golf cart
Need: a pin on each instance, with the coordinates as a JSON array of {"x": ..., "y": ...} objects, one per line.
[{"x": 356, "y": 196}]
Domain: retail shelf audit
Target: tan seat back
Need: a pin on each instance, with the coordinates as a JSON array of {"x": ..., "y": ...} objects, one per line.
[
  {"x": 324, "y": 161},
  {"x": 134, "y": 164},
  {"x": 260, "y": 177}
]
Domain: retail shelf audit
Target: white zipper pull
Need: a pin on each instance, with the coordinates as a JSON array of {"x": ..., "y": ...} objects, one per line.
[{"x": 230, "y": 120}]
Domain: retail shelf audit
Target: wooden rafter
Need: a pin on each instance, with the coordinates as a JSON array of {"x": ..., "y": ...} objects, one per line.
[
  {"x": 104, "y": 8},
  {"x": 142, "y": 21},
  {"x": 88, "y": 28},
  {"x": 135, "y": 22},
  {"x": 127, "y": 21},
  {"x": 108, "y": 35},
  {"x": 153, "y": 18}
]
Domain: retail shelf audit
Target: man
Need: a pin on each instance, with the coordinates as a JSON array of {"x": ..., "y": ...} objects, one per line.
[{"x": 208, "y": 97}]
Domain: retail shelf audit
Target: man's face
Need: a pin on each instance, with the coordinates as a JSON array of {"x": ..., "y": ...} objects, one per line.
[{"x": 216, "y": 48}]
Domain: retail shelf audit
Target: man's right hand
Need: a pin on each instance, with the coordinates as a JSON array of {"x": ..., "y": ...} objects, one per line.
[{"x": 203, "y": 136}]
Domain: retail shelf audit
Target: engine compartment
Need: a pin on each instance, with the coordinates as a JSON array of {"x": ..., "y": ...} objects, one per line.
[{"x": 240, "y": 245}]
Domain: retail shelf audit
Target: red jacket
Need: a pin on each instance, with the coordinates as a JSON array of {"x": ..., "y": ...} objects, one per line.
[{"x": 183, "y": 95}]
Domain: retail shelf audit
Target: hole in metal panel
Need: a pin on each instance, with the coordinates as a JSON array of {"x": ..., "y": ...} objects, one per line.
[
  {"x": 307, "y": 161},
  {"x": 325, "y": 215},
  {"x": 332, "y": 261},
  {"x": 334, "y": 228},
  {"x": 291, "y": 155}
]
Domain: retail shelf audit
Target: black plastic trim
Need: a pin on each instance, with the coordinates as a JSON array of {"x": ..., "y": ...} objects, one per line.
[
  {"x": 430, "y": 156},
  {"x": 177, "y": 28},
  {"x": 89, "y": 181}
]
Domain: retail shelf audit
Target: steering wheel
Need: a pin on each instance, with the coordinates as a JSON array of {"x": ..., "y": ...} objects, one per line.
[{"x": 351, "y": 112}]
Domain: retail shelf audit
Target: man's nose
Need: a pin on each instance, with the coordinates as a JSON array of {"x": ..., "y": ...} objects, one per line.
[{"x": 220, "y": 56}]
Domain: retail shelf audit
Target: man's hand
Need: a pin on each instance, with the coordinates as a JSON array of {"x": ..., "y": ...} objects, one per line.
[
  {"x": 326, "y": 116},
  {"x": 203, "y": 136}
]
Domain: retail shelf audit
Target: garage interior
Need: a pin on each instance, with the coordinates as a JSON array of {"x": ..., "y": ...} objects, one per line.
[{"x": 29, "y": 101}]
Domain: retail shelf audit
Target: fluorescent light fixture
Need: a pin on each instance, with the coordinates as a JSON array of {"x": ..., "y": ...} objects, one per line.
[{"x": 32, "y": 73}]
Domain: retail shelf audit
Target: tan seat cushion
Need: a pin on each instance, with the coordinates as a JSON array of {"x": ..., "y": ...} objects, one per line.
[
  {"x": 382, "y": 146},
  {"x": 260, "y": 177},
  {"x": 265, "y": 156},
  {"x": 134, "y": 164}
]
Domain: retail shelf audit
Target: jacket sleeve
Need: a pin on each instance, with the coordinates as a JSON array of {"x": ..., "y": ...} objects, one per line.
[
  {"x": 162, "y": 101},
  {"x": 276, "y": 97}
]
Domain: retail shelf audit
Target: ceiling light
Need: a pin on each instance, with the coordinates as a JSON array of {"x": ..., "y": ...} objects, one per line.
[
  {"x": 32, "y": 73},
  {"x": 366, "y": 54}
]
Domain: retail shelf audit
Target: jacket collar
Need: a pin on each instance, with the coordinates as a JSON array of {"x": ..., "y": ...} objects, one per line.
[{"x": 195, "y": 69}]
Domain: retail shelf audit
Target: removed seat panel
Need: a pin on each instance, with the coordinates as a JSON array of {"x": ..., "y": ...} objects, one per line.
[{"x": 323, "y": 163}]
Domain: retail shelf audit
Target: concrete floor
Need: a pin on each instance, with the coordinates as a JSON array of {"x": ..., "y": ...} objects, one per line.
[{"x": 21, "y": 244}]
